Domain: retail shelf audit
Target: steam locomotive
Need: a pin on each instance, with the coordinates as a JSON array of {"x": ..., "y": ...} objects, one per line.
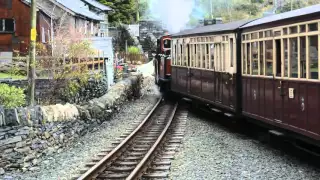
[{"x": 265, "y": 70}]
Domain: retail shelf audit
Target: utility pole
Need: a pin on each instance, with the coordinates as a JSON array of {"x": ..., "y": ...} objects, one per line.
[
  {"x": 211, "y": 9},
  {"x": 32, "y": 53},
  {"x": 138, "y": 14}
]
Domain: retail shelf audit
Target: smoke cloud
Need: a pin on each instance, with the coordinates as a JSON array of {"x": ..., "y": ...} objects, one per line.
[{"x": 174, "y": 14}]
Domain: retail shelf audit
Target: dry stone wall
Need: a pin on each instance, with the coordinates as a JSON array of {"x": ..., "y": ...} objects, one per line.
[{"x": 39, "y": 131}]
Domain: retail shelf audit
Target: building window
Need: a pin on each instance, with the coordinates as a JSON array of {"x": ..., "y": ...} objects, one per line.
[{"x": 6, "y": 25}]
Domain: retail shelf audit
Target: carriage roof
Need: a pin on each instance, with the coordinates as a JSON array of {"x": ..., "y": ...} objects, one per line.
[
  {"x": 212, "y": 28},
  {"x": 283, "y": 16}
]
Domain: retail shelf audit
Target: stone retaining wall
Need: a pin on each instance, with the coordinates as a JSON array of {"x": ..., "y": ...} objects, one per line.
[
  {"x": 45, "y": 89},
  {"x": 46, "y": 130}
]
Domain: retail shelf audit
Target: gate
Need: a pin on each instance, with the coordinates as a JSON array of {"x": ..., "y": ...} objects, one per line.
[{"x": 104, "y": 45}]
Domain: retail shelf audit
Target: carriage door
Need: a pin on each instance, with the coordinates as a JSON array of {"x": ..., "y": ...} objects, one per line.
[
  {"x": 218, "y": 76},
  {"x": 231, "y": 80},
  {"x": 278, "y": 83},
  {"x": 188, "y": 78}
]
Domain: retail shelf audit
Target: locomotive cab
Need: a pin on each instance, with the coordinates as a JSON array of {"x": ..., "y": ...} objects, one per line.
[{"x": 163, "y": 63}]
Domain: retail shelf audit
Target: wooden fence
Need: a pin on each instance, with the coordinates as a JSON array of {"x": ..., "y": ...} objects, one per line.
[
  {"x": 132, "y": 58},
  {"x": 46, "y": 65}
]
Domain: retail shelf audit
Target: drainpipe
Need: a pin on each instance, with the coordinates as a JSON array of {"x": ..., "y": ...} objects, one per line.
[{"x": 52, "y": 36}]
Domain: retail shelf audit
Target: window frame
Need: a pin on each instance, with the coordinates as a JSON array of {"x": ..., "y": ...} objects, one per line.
[
  {"x": 300, "y": 33},
  {"x": 2, "y": 21}
]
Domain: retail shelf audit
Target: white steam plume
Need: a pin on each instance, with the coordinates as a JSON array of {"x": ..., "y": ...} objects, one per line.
[{"x": 174, "y": 14}]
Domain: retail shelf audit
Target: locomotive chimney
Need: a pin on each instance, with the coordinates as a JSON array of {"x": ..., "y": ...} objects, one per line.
[{"x": 207, "y": 22}]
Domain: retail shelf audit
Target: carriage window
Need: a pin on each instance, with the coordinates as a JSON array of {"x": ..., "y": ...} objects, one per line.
[
  {"x": 198, "y": 56},
  {"x": 188, "y": 55},
  {"x": 285, "y": 55},
  {"x": 293, "y": 30},
  {"x": 285, "y": 31},
  {"x": 269, "y": 58},
  {"x": 268, "y": 33},
  {"x": 261, "y": 34},
  {"x": 302, "y": 28},
  {"x": 254, "y": 57},
  {"x": 185, "y": 56},
  {"x": 207, "y": 56},
  {"x": 223, "y": 57},
  {"x": 313, "y": 27},
  {"x": 174, "y": 55},
  {"x": 294, "y": 57},
  {"x": 254, "y": 36},
  {"x": 181, "y": 56},
  {"x": 220, "y": 56},
  {"x": 303, "y": 68},
  {"x": 166, "y": 43},
  {"x": 203, "y": 46},
  {"x": 177, "y": 53},
  {"x": 277, "y": 33},
  {"x": 243, "y": 37},
  {"x": 313, "y": 57},
  {"x": 212, "y": 56},
  {"x": 231, "y": 52},
  {"x": 244, "y": 56},
  {"x": 261, "y": 58},
  {"x": 248, "y": 59},
  {"x": 247, "y": 37},
  {"x": 195, "y": 56}
]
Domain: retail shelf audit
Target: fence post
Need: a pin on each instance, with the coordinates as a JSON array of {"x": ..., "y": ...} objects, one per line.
[
  {"x": 104, "y": 64},
  {"x": 92, "y": 64},
  {"x": 98, "y": 61},
  {"x": 27, "y": 60}
]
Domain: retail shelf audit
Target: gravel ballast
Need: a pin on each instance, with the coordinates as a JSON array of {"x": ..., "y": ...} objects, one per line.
[
  {"x": 210, "y": 151},
  {"x": 67, "y": 163}
]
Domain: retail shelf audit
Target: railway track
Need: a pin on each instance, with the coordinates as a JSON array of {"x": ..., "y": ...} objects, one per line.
[{"x": 147, "y": 151}]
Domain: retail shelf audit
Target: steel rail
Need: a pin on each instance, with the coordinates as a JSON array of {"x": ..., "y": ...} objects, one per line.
[
  {"x": 94, "y": 171},
  {"x": 140, "y": 167}
]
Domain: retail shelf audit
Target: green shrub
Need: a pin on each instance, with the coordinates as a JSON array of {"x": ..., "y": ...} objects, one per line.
[
  {"x": 133, "y": 50},
  {"x": 11, "y": 96}
]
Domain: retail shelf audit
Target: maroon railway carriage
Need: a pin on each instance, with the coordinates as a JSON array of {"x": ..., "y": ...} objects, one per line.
[
  {"x": 204, "y": 64},
  {"x": 280, "y": 71},
  {"x": 265, "y": 69}
]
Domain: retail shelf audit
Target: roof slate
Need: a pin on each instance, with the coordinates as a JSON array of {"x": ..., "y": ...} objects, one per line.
[
  {"x": 41, "y": 8},
  {"x": 286, "y": 15},
  {"x": 75, "y": 6},
  {"x": 98, "y": 5},
  {"x": 213, "y": 28}
]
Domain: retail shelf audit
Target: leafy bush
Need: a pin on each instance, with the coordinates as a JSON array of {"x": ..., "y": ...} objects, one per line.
[
  {"x": 133, "y": 50},
  {"x": 11, "y": 96}
]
